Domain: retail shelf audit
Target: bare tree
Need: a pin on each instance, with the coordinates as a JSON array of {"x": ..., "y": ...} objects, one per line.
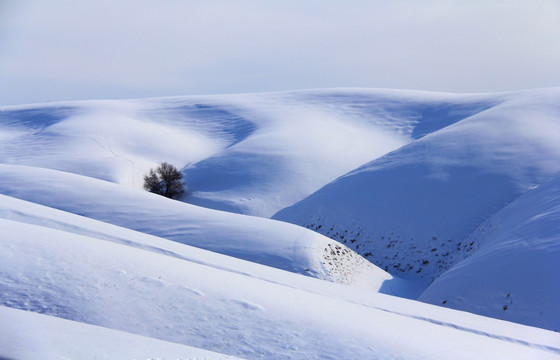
[{"x": 166, "y": 180}]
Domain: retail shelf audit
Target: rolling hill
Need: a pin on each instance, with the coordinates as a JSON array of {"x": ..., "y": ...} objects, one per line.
[
  {"x": 412, "y": 211},
  {"x": 450, "y": 199}
]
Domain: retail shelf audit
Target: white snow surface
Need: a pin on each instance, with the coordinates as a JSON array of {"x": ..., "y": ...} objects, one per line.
[
  {"x": 226, "y": 308},
  {"x": 82, "y": 242},
  {"x": 412, "y": 211},
  {"x": 273, "y": 243},
  {"x": 514, "y": 274},
  {"x": 253, "y": 154},
  {"x": 55, "y": 338}
]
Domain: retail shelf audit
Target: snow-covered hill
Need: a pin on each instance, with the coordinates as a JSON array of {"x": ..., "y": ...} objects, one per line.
[
  {"x": 259, "y": 240},
  {"x": 411, "y": 211},
  {"x": 81, "y": 240},
  {"x": 252, "y": 154},
  {"x": 514, "y": 274},
  {"x": 126, "y": 281}
]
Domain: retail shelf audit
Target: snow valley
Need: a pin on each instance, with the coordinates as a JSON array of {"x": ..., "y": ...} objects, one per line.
[{"x": 321, "y": 224}]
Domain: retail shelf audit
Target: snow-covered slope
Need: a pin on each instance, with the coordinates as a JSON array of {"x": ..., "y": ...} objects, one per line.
[
  {"x": 224, "y": 308},
  {"x": 245, "y": 153},
  {"x": 253, "y": 154},
  {"x": 81, "y": 241},
  {"x": 515, "y": 273},
  {"x": 34, "y": 336},
  {"x": 263, "y": 241},
  {"x": 411, "y": 211}
]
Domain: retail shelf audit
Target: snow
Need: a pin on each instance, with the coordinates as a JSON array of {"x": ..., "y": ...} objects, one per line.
[
  {"x": 125, "y": 288},
  {"x": 411, "y": 212},
  {"x": 263, "y": 241},
  {"x": 93, "y": 265},
  {"x": 252, "y": 154},
  {"x": 513, "y": 274},
  {"x": 55, "y": 338}
]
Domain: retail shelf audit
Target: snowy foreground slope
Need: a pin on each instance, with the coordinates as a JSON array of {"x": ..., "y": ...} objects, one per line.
[
  {"x": 412, "y": 211},
  {"x": 35, "y": 336},
  {"x": 123, "y": 280}
]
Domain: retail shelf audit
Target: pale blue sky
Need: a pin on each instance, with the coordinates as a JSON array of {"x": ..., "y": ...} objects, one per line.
[{"x": 67, "y": 49}]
